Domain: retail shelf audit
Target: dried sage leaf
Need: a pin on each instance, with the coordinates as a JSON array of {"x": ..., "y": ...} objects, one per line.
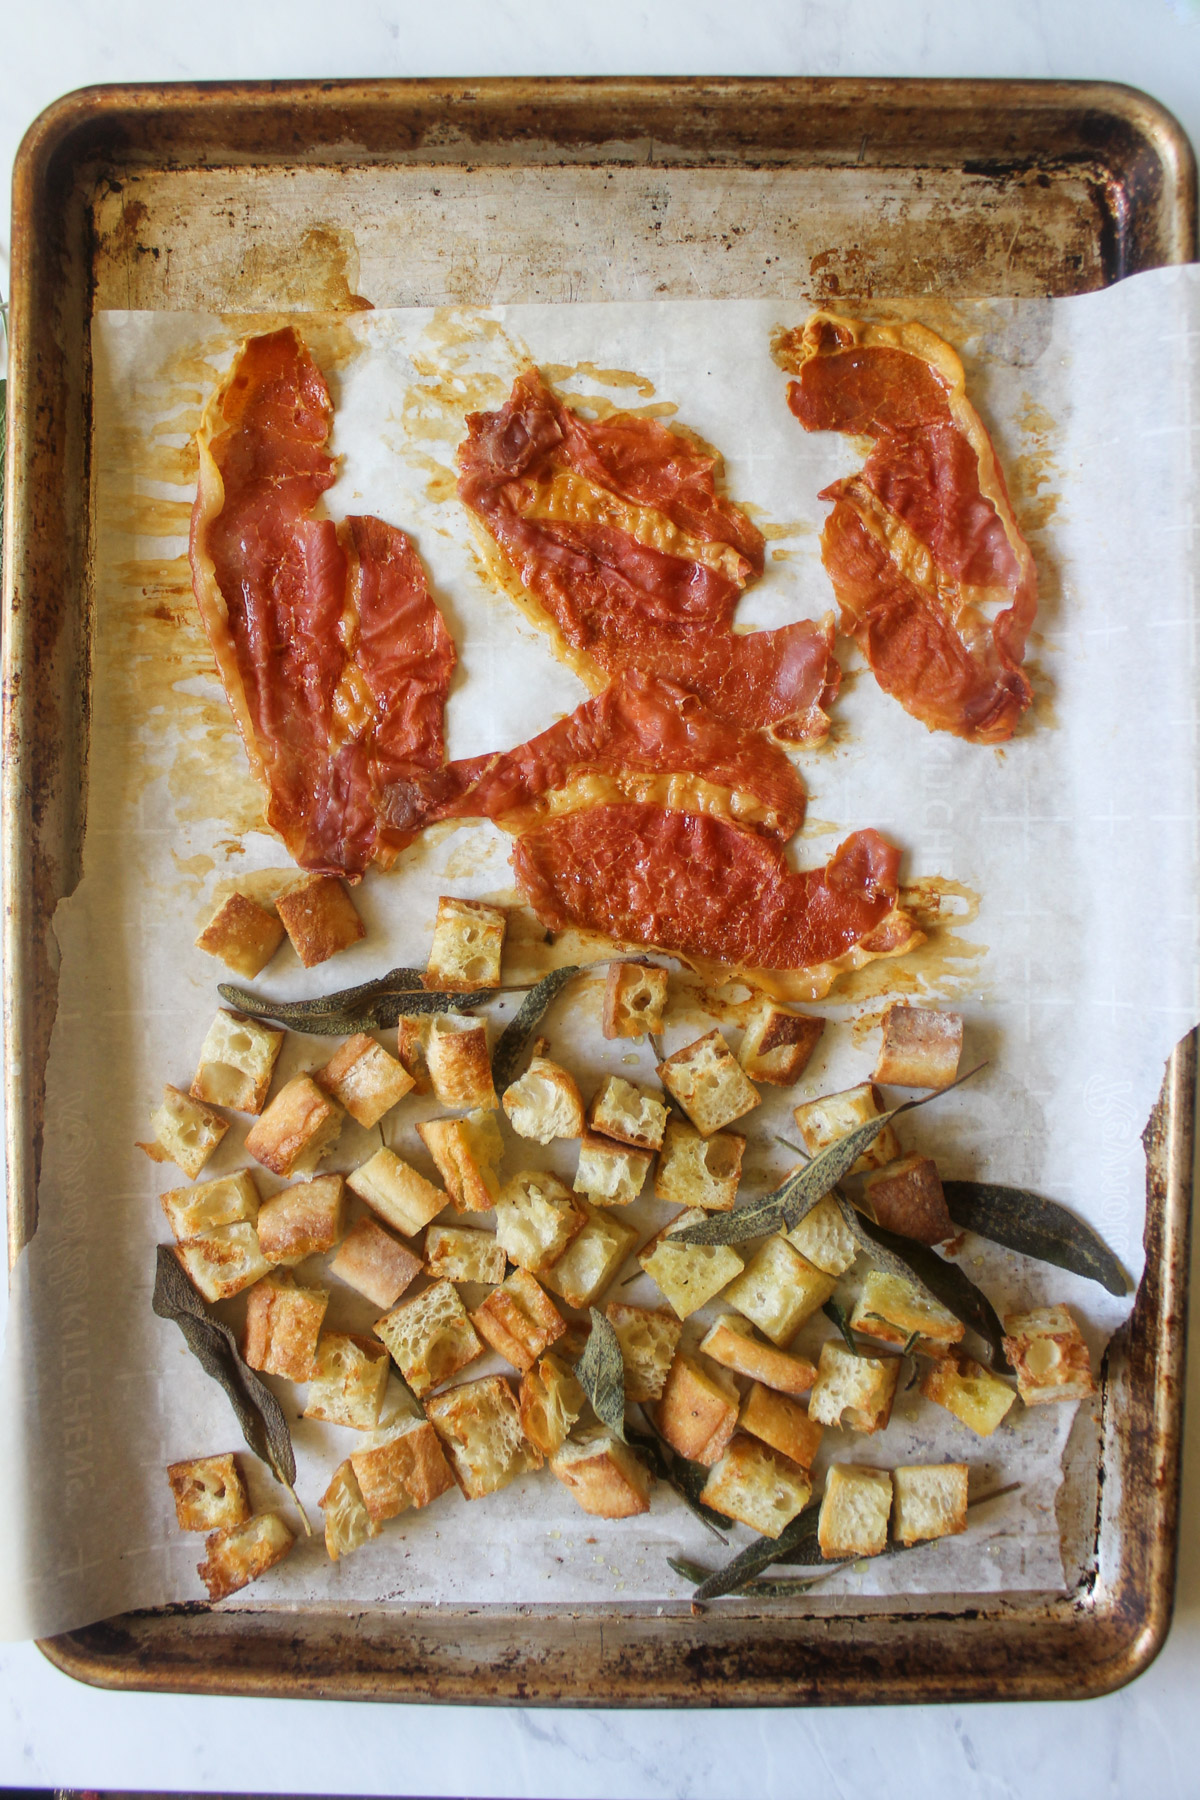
[
  {"x": 601, "y": 1373},
  {"x": 944, "y": 1280},
  {"x": 214, "y": 1346},
  {"x": 761, "y": 1554},
  {"x": 372, "y": 1007},
  {"x": 514, "y": 1039},
  {"x": 1034, "y": 1227},
  {"x": 834, "y": 1310}
]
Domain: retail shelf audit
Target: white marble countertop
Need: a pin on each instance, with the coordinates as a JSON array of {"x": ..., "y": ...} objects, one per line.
[{"x": 55, "y": 1733}]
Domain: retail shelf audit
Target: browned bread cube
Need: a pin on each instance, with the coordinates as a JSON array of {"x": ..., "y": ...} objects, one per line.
[
  {"x": 778, "y": 1290},
  {"x": 894, "y": 1311},
  {"x": 592, "y": 1260},
  {"x": 363, "y": 1078},
  {"x": 412, "y": 1047},
  {"x": 348, "y": 1524},
  {"x": 780, "y": 1422},
  {"x": 709, "y": 1083},
  {"x": 243, "y": 934},
  {"x": 544, "y": 1103},
  {"x": 976, "y": 1397},
  {"x": 306, "y": 1219},
  {"x": 283, "y": 1324},
  {"x": 635, "y": 995},
  {"x": 688, "y": 1275},
  {"x": 460, "y": 1064},
  {"x": 319, "y": 917},
  {"x": 920, "y": 1048},
  {"x": 854, "y": 1512},
  {"x": 611, "y": 1172},
  {"x": 821, "y": 1122},
  {"x": 907, "y": 1197},
  {"x": 631, "y": 1115},
  {"x": 468, "y": 937},
  {"x": 296, "y": 1130},
  {"x": 453, "y": 1253},
  {"x": 732, "y": 1343},
  {"x": 519, "y": 1320},
  {"x": 606, "y": 1477},
  {"x": 229, "y": 1200},
  {"x": 929, "y": 1501},
  {"x": 551, "y": 1400},
  {"x": 851, "y": 1390},
  {"x": 348, "y": 1379},
  {"x": 758, "y": 1487},
  {"x": 237, "y": 1061},
  {"x": 648, "y": 1341},
  {"x": 698, "y": 1411},
  {"x": 374, "y": 1263},
  {"x": 209, "y": 1493},
  {"x": 1048, "y": 1352},
  {"x": 406, "y": 1470},
  {"x": 778, "y": 1044},
  {"x": 467, "y": 1153},
  {"x": 222, "y": 1262},
  {"x": 481, "y": 1428},
  {"x": 186, "y": 1132},
  {"x": 694, "y": 1170},
  {"x": 430, "y": 1337},
  {"x": 537, "y": 1217},
  {"x": 241, "y": 1553},
  {"x": 402, "y": 1197}
]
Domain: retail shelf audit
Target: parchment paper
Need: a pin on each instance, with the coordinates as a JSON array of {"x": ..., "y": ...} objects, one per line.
[{"x": 1058, "y": 876}]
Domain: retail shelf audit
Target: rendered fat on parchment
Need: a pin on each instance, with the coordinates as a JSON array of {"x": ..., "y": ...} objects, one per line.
[{"x": 1064, "y": 866}]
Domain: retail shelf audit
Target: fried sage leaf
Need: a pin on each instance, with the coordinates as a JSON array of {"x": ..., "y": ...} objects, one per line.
[
  {"x": 686, "y": 1478},
  {"x": 761, "y": 1554},
  {"x": 834, "y": 1310},
  {"x": 944, "y": 1280},
  {"x": 514, "y": 1039},
  {"x": 371, "y": 1007},
  {"x": 214, "y": 1346},
  {"x": 1034, "y": 1227},
  {"x": 601, "y": 1373}
]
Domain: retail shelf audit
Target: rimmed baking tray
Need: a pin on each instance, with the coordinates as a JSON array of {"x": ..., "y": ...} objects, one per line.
[{"x": 338, "y": 195}]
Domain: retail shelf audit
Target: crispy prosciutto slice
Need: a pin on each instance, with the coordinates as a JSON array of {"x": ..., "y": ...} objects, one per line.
[
  {"x": 615, "y": 531},
  {"x": 333, "y": 655},
  {"x": 934, "y": 579}
]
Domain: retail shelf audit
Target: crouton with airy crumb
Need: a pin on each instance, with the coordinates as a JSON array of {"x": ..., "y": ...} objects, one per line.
[
  {"x": 648, "y": 1340},
  {"x": 306, "y": 1219},
  {"x": 348, "y": 1379},
  {"x": 929, "y": 1500},
  {"x": 400, "y": 1195},
  {"x": 468, "y": 937},
  {"x": 244, "y": 935},
  {"x": 976, "y": 1397},
  {"x": 480, "y": 1426},
  {"x": 732, "y": 1343},
  {"x": 467, "y": 1153},
  {"x": 853, "y": 1391},
  {"x": 407, "y": 1469},
  {"x": 709, "y": 1083},
  {"x": 906, "y": 1197},
  {"x": 221, "y": 1262},
  {"x": 459, "y": 1062},
  {"x": 606, "y": 1477},
  {"x": 778, "y": 1290},
  {"x": 853, "y": 1520},
  {"x": 824, "y": 1239},
  {"x": 229, "y": 1200},
  {"x": 780, "y": 1422},
  {"x": 348, "y": 1524},
  {"x": 608, "y": 1172},
  {"x": 755, "y": 1485},
  {"x": 296, "y": 1130},
  {"x": 544, "y": 1103},
  {"x": 453, "y": 1253},
  {"x": 364, "y": 1079},
  {"x": 537, "y": 1217},
  {"x": 698, "y": 1411},
  {"x": 921, "y": 1048},
  {"x": 430, "y": 1337},
  {"x": 240, "y": 1554},
  {"x": 319, "y": 917},
  {"x": 592, "y": 1260},
  {"x": 550, "y": 1401},
  {"x": 186, "y": 1132},
  {"x": 821, "y": 1122},
  {"x": 635, "y": 998},
  {"x": 694, "y": 1170},
  {"x": 688, "y": 1275},
  {"x": 778, "y": 1044},
  {"x": 1048, "y": 1352},
  {"x": 895, "y": 1311},
  {"x": 237, "y": 1061},
  {"x": 283, "y": 1325},
  {"x": 631, "y": 1115},
  {"x": 209, "y": 1493},
  {"x": 374, "y": 1263},
  {"x": 519, "y": 1320}
]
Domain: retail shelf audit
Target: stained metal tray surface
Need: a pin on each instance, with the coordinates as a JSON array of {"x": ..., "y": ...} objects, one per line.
[{"x": 337, "y": 195}]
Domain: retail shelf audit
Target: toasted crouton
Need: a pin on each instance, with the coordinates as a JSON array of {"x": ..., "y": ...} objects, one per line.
[
  {"x": 460, "y": 1066},
  {"x": 283, "y": 1324},
  {"x": 821, "y": 1122},
  {"x": 929, "y": 1501},
  {"x": 374, "y": 1263},
  {"x": 631, "y": 1115},
  {"x": 854, "y": 1512},
  {"x": 407, "y": 1469},
  {"x": 635, "y": 995},
  {"x": 779, "y": 1290},
  {"x": 453, "y": 1253},
  {"x": 536, "y": 1218},
  {"x": 755, "y": 1485},
  {"x": 709, "y": 1083},
  {"x": 544, "y": 1103},
  {"x": 237, "y": 1061},
  {"x": 592, "y": 1260},
  {"x": 648, "y": 1341},
  {"x": 348, "y": 1524},
  {"x": 430, "y": 1337},
  {"x": 699, "y": 1171},
  {"x": 348, "y": 1380},
  {"x": 222, "y": 1262},
  {"x": 186, "y": 1132},
  {"x": 551, "y": 1400},
  {"x": 894, "y": 1311},
  {"x": 610, "y": 1172},
  {"x": 606, "y": 1477},
  {"x": 920, "y": 1048},
  {"x": 209, "y": 1493},
  {"x": 778, "y": 1044},
  {"x": 906, "y": 1197},
  {"x": 243, "y": 934},
  {"x": 688, "y": 1275},
  {"x": 467, "y": 1153},
  {"x": 402, "y": 1197},
  {"x": 732, "y": 1343},
  {"x": 975, "y": 1396},
  {"x": 780, "y": 1422},
  {"x": 519, "y": 1320},
  {"x": 468, "y": 938},
  {"x": 480, "y": 1426},
  {"x": 230, "y": 1200},
  {"x": 1048, "y": 1352},
  {"x": 363, "y": 1078},
  {"x": 239, "y": 1554},
  {"x": 853, "y": 1391},
  {"x": 296, "y": 1130},
  {"x": 824, "y": 1238},
  {"x": 319, "y": 917},
  {"x": 698, "y": 1411},
  {"x": 306, "y": 1219},
  {"x": 412, "y": 1049}
]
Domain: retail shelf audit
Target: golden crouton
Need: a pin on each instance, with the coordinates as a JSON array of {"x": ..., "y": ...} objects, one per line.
[
  {"x": 519, "y": 1320},
  {"x": 296, "y": 1130},
  {"x": 853, "y": 1520},
  {"x": 778, "y": 1044},
  {"x": 894, "y": 1311},
  {"x": 223, "y": 1261},
  {"x": 407, "y": 1469},
  {"x": 648, "y": 1341},
  {"x": 688, "y": 1275},
  {"x": 631, "y": 1115},
  {"x": 467, "y": 1153},
  {"x": 186, "y": 1132},
  {"x": 459, "y": 1062},
  {"x": 975, "y": 1396},
  {"x": 606, "y": 1477},
  {"x": 698, "y": 1411},
  {"x": 778, "y": 1290},
  {"x": 635, "y": 995},
  {"x": 544, "y": 1103},
  {"x": 821, "y": 1122},
  {"x": 906, "y": 1197},
  {"x": 780, "y": 1422},
  {"x": 241, "y": 1553},
  {"x": 348, "y": 1524},
  {"x": 551, "y": 1400},
  {"x": 230, "y": 1200},
  {"x": 699, "y": 1171},
  {"x": 243, "y": 934},
  {"x": 348, "y": 1380},
  {"x": 306, "y": 1219},
  {"x": 480, "y": 1426},
  {"x": 612, "y": 1172},
  {"x": 824, "y": 1238},
  {"x": 755, "y": 1485},
  {"x": 364, "y": 1079},
  {"x": 402, "y": 1197},
  {"x": 283, "y": 1324},
  {"x": 851, "y": 1390},
  {"x": 467, "y": 940},
  {"x": 412, "y": 1049},
  {"x": 453, "y": 1253},
  {"x": 237, "y": 1061},
  {"x": 709, "y": 1083},
  {"x": 374, "y": 1263},
  {"x": 1048, "y": 1352},
  {"x": 920, "y": 1048},
  {"x": 537, "y": 1216},
  {"x": 929, "y": 1501},
  {"x": 319, "y": 917},
  {"x": 209, "y": 1493},
  {"x": 592, "y": 1260},
  {"x": 430, "y": 1338},
  {"x": 732, "y": 1343}
]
